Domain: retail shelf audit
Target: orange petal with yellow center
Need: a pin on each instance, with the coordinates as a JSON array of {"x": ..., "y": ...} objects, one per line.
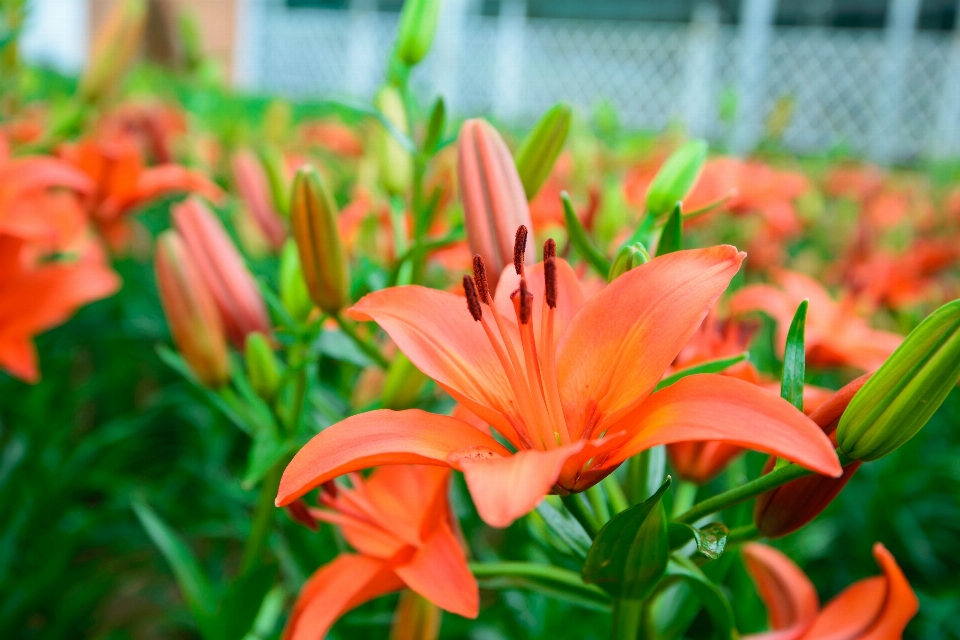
[
  {"x": 375, "y": 438},
  {"x": 721, "y": 408},
  {"x": 619, "y": 345}
]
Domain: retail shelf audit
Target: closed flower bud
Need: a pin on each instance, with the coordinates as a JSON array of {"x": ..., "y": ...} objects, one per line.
[
  {"x": 415, "y": 618},
  {"x": 403, "y": 383},
  {"x": 676, "y": 177},
  {"x": 541, "y": 148},
  {"x": 396, "y": 163},
  {"x": 191, "y": 312},
  {"x": 254, "y": 188},
  {"x": 263, "y": 370},
  {"x": 791, "y": 506},
  {"x": 293, "y": 290},
  {"x": 494, "y": 203},
  {"x": 114, "y": 48},
  {"x": 313, "y": 218},
  {"x": 418, "y": 24},
  {"x": 220, "y": 265},
  {"x": 906, "y": 390},
  {"x": 629, "y": 257}
]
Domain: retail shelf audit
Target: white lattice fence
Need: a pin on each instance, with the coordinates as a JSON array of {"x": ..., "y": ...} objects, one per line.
[{"x": 844, "y": 86}]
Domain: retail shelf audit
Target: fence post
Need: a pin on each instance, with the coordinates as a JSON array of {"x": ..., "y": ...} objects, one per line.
[
  {"x": 756, "y": 32},
  {"x": 700, "y": 75},
  {"x": 446, "y": 56},
  {"x": 901, "y": 21},
  {"x": 248, "y": 42},
  {"x": 509, "y": 70},
  {"x": 946, "y": 134},
  {"x": 363, "y": 50}
]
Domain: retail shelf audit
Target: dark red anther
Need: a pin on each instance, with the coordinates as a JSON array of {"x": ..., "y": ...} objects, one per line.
[
  {"x": 480, "y": 275},
  {"x": 522, "y": 302},
  {"x": 473, "y": 302},
  {"x": 549, "y": 249},
  {"x": 330, "y": 488},
  {"x": 550, "y": 281},
  {"x": 519, "y": 248}
]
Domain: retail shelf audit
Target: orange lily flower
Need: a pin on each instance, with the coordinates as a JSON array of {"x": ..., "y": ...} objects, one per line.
[
  {"x": 576, "y": 402},
  {"x": 37, "y": 296},
  {"x": 834, "y": 334},
  {"x": 876, "y": 608},
  {"x": 124, "y": 184},
  {"x": 399, "y": 520}
]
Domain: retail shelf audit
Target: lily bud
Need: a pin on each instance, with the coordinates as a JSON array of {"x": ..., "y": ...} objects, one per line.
[
  {"x": 541, "y": 148},
  {"x": 293, "y": 290},
  {"x": 254, "y": 188},
  {"x": 418, "y": 25},
  {"x": 676, "y": 177},
  {"x": 494, "y": 202},
  {"x": 629, "y": 257},
  {"x": 263, "y": 370},
  {"x": 906, "y": 390},
  {"x": 220, "y": 265},
  {"x": 415, "y": 618},
  {"x": 191, "y": 312},
  {"x": 114, "y": 47},
  {"x": 791, "y": 506},
  {"x": 313, "y": 217},
  {"x": 402, "y": 385},
  {"x": 396, "y": 163}
]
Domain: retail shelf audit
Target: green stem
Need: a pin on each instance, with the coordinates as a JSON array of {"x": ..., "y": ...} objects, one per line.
[
  {"x": 574, "y": 504},
  {"x": 627, "y": 616},
  {"x": 371, "y": 351},
  {"x": 740, "y": 535},
  {"x": 545, "y": 576},
  {"x": 598, "y": 504},
  {"x": 685, "y": 496},
  {"x": 618, "y": 500},
  {"x": 263, "y": 518},
  {"x": 749, "y": 490}
]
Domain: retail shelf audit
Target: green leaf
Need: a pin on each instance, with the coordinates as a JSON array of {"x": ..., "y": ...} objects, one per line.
[
  {"x": 711, "y": 366},
  {"x": 339, "y": 346},
  {"x": 541, "y": 578},
  {"x": 541, "y": 148},
  {"x": 672, "y": 237},
  {"x": 268, "y": 615},
  {"x": 710, "y": 595},
  {"x": 579, "y": 239},
  {"x": 238, "y": 609},
  {"x": 435, "y": 126},
  {"x": 899, "y": 399},
  {"x": 711, "y": 539},
  {"x": 193, "y": 584},
  {"x": 794, "y": 359},
  {"x": 629, "y": 555},
  {"x": 265, "y": 453},
  {"x": 676, "y": 177},
  {"x": 566, "y": 528}
]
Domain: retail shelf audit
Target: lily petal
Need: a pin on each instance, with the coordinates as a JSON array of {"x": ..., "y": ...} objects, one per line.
[
  {"x": 439, "y": 572},
  {"x": 618, "y": 347},
  {"x": 424, "y": 490},
  {"x": 344, "y": 584},
  {"x": 790, "y": 597},
  {"x": 505, "y": 488},
  {"x": 375, "y": 438},
  {"x": 715, "y": 407}
]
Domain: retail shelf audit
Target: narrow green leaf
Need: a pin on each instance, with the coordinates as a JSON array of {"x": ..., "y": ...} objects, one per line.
[
  {"x": 579, "y": 239},
  {"x": 265, "y": 453},
  {"x": 566, "y": 528},
  {"x": 268, "y": 615},
  {"x": 541, "y": 578},
  {"x": 711, "y": 366},
  {"x": 540, "y": 149},
  {"x": 794, "y": 359},
  {"x": 711, "y": 539},
  {"x": 710, "y": 595},
  {"x": 196, "y": 591},
  {"x": 672, "y": 237},
  {"x": 244, "y": 599},
  {"x": 435, "y": 126},
  {"x": 629, "y": 555},
  {"x": 676, "y": 177}
]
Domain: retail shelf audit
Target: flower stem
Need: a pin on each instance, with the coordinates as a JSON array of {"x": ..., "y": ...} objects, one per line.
[
  {"x": 618, "y": 500},
  {"x": 740, "y": 535},
  {"x": 684, "y": 497},
  {"x": 574, "y": 504},
  {"x": 627, "y": 616},
  {"x": 370, "y": 350},
  {"x": 540, "y": 577},
  {"x": 598, "y": 504},
  {"x": 263, "y": 518}
]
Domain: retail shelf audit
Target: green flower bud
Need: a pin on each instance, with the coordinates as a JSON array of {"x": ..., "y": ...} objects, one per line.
[
  {"x": 313, "y": 218},
  {"x": 418, "y": 25},
  {"x": 676, "y": 177},
  {"x": 541, "y": 148},
  {"x": 293, "y": 290},
  {"x": 403, "y": 383},
  {"x": 396, "y": 163},
  {"x": 906, "y": 390},
  {"x": 263, "y": 370},
  {"x": 629, "y": 257}
]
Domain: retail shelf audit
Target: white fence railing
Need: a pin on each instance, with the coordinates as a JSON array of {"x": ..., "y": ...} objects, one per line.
[{"x": 887, "y": 97}]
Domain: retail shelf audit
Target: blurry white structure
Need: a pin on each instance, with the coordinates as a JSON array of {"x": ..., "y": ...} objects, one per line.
[{"x": 55, "y": 34}]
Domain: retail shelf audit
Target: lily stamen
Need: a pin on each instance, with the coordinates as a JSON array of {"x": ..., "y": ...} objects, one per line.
[
  {"x": 523, "y": 306},
  {"x": 548, "y": 366}
]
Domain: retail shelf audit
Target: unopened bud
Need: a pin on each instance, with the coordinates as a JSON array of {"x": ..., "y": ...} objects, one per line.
[
  {"x": 418, "y": 24},
  {"x": 415, "y": 618},
  {"x": 402, "y": 384},
  {"x": 629, "y": 257},
  {"x": 191, "y": 312},
  {"x": 263, "y": 370},
  {"x": 676, "y": 177},
  {"x": 114, "y": 48},
  {"x": 313, "y": 218},
  {"x": 494, "y": 203},
  {"x": 541, "y": 148},
  {"x": 254, "y": 188},
  {"x": 396, "y": 163},
  {"x": 906, "y": 390},
  {"x": 293, "y": 289}
]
